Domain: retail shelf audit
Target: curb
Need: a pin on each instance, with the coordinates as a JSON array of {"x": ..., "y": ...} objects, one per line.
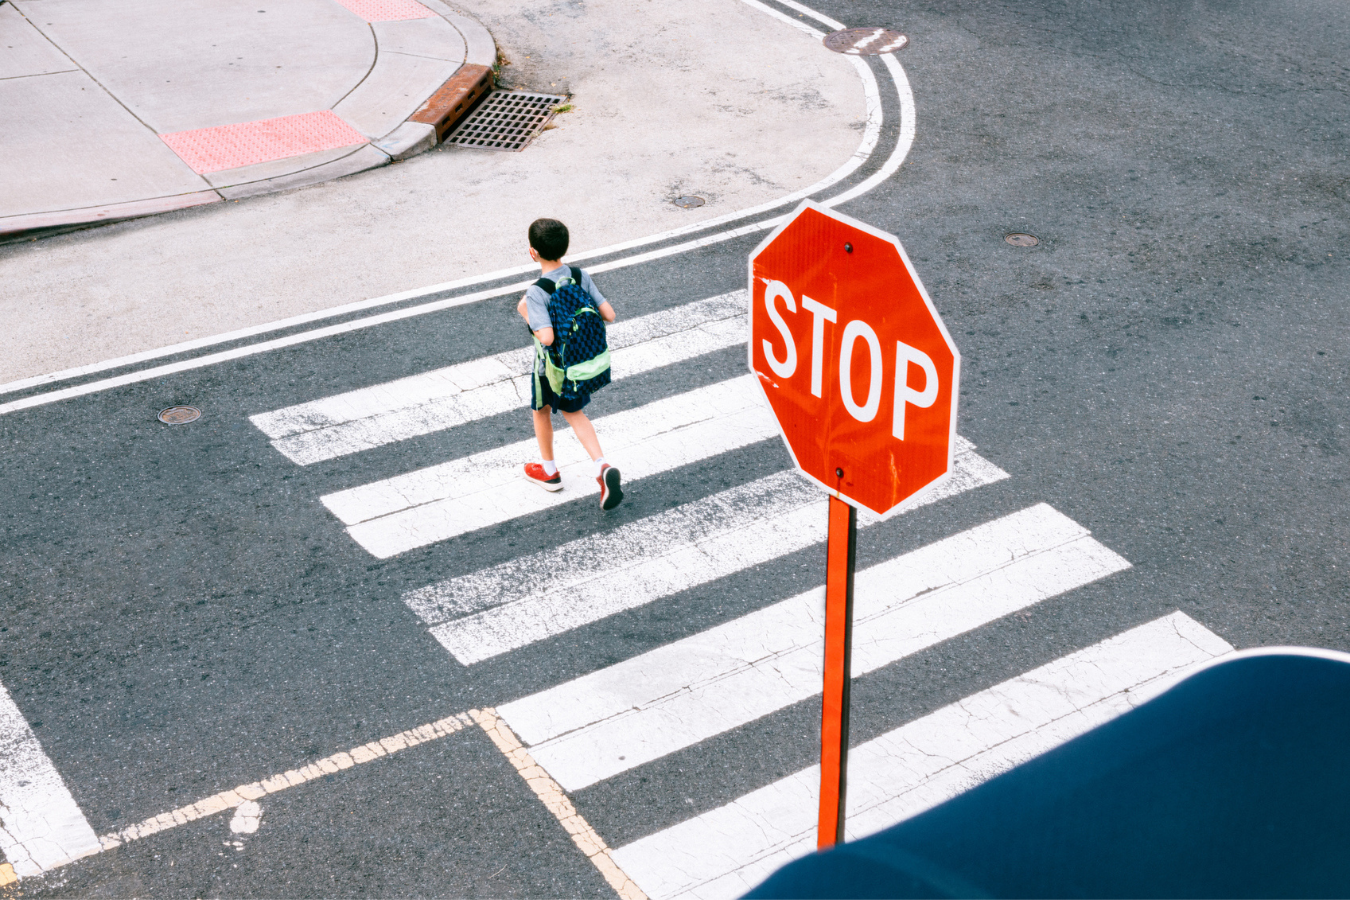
[
  {"x": 449, "y": 104},
  {"x": 16, "y": 227},
  {"x": 366, "y": 107}
]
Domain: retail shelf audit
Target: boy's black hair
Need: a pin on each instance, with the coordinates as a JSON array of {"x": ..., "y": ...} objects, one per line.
[{"x": 549, "y": 238}]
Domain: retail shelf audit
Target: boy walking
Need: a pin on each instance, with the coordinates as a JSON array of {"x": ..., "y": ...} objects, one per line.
[{"x": 563, "y": 385}]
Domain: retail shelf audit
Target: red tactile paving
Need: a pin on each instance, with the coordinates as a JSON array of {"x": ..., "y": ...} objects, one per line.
[
  {"x": 387, "y": 10},
  {"x": 231, "y": 146}
]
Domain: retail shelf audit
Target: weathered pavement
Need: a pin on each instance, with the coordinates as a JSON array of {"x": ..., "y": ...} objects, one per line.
[{"x": 1162, "y": 380}]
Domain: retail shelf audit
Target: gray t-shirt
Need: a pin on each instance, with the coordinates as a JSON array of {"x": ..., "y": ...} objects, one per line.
[{"x": 536, "y": 300}]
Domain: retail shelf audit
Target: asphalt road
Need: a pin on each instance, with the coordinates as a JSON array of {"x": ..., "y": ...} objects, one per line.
[{"x": 1169, "y": 367}]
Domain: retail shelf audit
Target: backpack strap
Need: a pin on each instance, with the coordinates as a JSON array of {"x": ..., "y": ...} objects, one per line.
[
  {"x": 576, "y": 279},
  {"x": 548, "y": 287}
]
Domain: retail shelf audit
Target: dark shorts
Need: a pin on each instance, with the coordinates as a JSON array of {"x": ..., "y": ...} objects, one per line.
[{"x": 541, "y": 395}]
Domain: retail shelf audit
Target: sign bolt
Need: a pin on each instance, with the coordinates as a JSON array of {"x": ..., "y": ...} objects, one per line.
[
  {"x": 839, "y": 473},
  {"x": 848, "y": 248}
]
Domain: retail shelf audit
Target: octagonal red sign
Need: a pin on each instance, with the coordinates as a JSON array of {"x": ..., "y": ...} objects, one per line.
[{"x": 853, "y": 358}]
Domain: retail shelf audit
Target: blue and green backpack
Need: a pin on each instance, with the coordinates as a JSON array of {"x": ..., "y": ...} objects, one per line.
[{"x": 577, "y": 363}]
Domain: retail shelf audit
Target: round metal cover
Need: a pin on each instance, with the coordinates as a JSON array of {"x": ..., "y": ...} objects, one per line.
[
  {"x": 179, "y": 415},
  {"x": 689, "y": 202},
  {"x": 1018, "y": 239},
  {"x": 865, "y": 41}
]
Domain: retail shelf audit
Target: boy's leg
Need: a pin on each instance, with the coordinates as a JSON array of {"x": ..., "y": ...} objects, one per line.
[
  {"x": 543, "y": 432},
  {"x": 544, "y": 474},
  {"x": 584, "y": 431},
  {"x": 611, "y": 494}
]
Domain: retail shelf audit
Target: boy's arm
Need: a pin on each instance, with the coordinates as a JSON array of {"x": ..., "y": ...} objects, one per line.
[
  {"x": 545, "y": 335},
  {"x": 588, "y": 285}
]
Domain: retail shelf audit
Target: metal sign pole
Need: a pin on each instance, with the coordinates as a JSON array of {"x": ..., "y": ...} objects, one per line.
[{"x": 843, "y": 535}]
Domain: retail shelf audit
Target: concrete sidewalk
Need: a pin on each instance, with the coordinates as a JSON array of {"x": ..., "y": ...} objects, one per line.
[
  {"x": 708, "y": 97},
  {"x": 117, "y": 108}
]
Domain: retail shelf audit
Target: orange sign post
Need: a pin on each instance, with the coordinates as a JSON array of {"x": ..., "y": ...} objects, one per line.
[{"x": 863, "y": 379}]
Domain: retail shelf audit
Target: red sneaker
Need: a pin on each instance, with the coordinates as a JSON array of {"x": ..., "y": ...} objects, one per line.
[
  {"x": 535, "y": 472},
  {"x": 611, "y": 495}
]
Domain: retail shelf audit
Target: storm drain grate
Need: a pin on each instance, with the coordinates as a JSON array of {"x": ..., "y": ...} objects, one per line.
[{"x": 506, "y": 120}]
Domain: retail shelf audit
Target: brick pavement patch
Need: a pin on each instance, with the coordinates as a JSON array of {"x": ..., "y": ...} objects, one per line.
[
  {"x": 388, "y": 10},
  {"x": 246, "y": 143}
]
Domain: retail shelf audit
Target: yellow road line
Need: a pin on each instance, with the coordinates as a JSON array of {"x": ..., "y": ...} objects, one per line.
[
  {"x": 336, "y": 763},
  {"x": 545, "y": 788},
  {"x": 555, "y": 800}
]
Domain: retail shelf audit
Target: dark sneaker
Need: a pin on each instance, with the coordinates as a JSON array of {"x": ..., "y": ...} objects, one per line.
[
  {"x": 611, "y": 495},
  {"x": 535, "y": 472}
]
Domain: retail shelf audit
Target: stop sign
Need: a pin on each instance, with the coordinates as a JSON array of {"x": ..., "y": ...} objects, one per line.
[{"x": 853, "y": 358}]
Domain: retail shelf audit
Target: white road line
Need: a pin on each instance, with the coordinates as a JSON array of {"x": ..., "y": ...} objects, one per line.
[
  {"x": 443, "y": 398},
  {"x": 539, "y": 596},
  {"x": 41, "y": 826},
  {"x": 903, "y": 143},
  {"x": 870, "y": 138},
  {"x": 443, "y": 501},
  {"x": 724, "y": 852},
  {"x": 672, "y": 697},
  {"x": 833, "y": 24}
]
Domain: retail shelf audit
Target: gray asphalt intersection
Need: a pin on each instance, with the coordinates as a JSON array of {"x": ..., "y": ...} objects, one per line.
[{"x": 1167, "y": 369}]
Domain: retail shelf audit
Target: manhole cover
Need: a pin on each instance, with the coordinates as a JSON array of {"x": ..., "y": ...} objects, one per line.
[
  {"x": 1018, "y": 239},
  {"x": 865, "y": 41},
  {"x": 179, "y": 415},
  {"x": 688, "y": 202},
  {"x": 506, "y": 120}
]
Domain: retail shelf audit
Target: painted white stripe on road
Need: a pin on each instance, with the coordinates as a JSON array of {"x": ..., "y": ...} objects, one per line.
[
  {"x": 41, "y": 826},
  {"x": 432, "y": 401},
  {"x": 672, "y": 697},
  {"x": 833, "y": 24},
  {"x": 725, "y": 852},
  {"x": 443, "y": 501},
  {"x": 535, "y": 597}
]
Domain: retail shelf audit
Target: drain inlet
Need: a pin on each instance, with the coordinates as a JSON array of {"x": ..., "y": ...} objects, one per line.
[
  {"x": 865, "y": 41},
  {"x": 506, "y": 120},
  {"x": 179, "y": 415}
]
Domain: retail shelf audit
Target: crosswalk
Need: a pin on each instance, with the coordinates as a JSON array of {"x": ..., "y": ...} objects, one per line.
[
  {"x": 727, "y": 851},
  {"x": 492, "y": 611},
  {"x": 726, "y": 678},
  {"x": 441, "y": 502},
  {"x": 673, "y": 697},
  {"x": 363, "y": 419}
]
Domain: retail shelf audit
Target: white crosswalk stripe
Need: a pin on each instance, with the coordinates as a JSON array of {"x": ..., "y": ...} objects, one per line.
[
  {"x": 675, "y": 696},
  {"x": 440, "y": 502},
  {"x": 41, "y": 826},
  {"x": 725, "y": 852},
  {"x": 433, "y": 401},
  {"x": 486, "y": 613}
]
